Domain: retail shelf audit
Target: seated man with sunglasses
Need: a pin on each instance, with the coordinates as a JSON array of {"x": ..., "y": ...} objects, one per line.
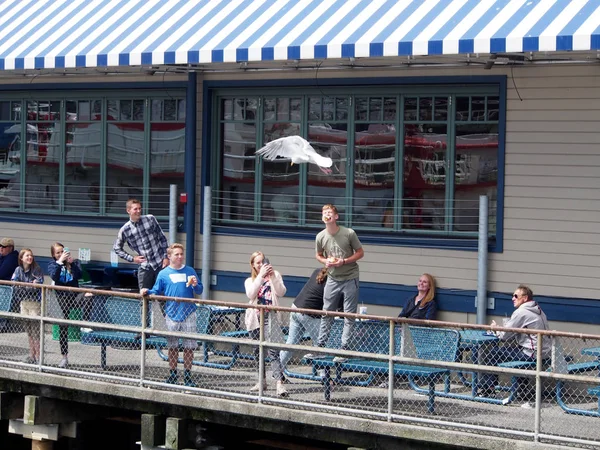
[
  {"x": 9, "y": 258},
  {"x": 527, "y": 314}
]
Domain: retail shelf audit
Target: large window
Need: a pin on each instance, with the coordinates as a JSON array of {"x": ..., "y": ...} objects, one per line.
[
  {"x": 406, "y": 161},
  {"x": 86, "y": 154}
]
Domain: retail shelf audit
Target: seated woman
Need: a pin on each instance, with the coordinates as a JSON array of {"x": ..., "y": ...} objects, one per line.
[{"x": 422, "y": 305}]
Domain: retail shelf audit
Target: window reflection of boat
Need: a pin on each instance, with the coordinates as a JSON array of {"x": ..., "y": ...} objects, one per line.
[{"x": 125, "y": 144}]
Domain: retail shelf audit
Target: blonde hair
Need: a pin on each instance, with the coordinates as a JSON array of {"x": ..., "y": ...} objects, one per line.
[
  {"x": 173, "y": 247},
  {"x": 431, "y": 292},
  {"x": 253, "y": 272},
  {"x": 131, "y": 202}
]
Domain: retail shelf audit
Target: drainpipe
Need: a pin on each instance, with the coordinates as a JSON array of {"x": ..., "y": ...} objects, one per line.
[
  {"x": 482, "y": 259},
  {"x": 206, "y": 237},
  {"x": 189, "y": 225}
]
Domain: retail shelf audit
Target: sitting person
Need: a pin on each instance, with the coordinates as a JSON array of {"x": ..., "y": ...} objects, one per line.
[
  {"x": 422, "y": 305},
  {"x": 310, "y": 297},
  {"x": 527, "y": 314},
  {"x": 178, "y": 280},
  {"x": 9, "y": 258}
]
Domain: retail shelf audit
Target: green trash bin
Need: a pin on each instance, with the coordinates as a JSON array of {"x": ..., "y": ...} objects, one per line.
[{"x": 74, "y": 333}]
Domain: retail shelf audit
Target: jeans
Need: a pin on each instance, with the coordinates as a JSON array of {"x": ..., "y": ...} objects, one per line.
[
  {"x": 299, "y": 325},
  {"x": 270, "y": 335},
  {"x": 497, "y": 355},
  {"x": 333, "y": 290},
  {"x": 146, "y": 279}
]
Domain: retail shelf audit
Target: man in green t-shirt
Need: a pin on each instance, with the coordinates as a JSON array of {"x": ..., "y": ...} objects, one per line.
[{"x": 338, "y": 248}]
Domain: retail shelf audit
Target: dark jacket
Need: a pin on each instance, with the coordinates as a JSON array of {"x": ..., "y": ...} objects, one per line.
[
  {"x": 8, "y": 264},
  {"x": 60, "y": 276},
  {"x": 412, "y": 311},
  {"x": 311, "y": 295}
]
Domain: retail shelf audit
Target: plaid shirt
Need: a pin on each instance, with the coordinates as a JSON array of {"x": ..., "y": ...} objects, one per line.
[{"x": 144, "y": 237}]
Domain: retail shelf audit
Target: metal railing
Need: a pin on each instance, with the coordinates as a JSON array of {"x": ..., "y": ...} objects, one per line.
[{"x": 431, "y": 373}]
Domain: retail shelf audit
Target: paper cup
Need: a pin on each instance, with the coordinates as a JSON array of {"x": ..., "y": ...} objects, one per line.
[{"x": 362, "y": 310}]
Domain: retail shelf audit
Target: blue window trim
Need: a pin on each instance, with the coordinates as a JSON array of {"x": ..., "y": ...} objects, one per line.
[{"x": 496, "y": 245}]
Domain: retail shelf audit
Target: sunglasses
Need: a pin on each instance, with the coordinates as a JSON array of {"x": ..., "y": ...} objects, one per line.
[{"x": 516, "y": 296}]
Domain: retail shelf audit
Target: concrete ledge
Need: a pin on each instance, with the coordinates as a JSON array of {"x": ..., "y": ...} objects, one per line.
[{"x": 247, "y": 414}]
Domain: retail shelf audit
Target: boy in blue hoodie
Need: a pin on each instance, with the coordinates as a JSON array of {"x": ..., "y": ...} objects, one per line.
[{"x": 178, "y": 280}]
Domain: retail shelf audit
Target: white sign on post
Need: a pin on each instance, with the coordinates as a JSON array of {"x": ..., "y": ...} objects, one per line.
[{"x": 85, "y": 254}]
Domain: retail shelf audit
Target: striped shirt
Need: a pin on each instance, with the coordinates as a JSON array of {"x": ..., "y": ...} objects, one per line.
[{"x": 146, "y": 238}]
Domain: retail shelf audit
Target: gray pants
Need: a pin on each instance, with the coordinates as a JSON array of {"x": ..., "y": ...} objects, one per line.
[{"x": 333, "y": 290}]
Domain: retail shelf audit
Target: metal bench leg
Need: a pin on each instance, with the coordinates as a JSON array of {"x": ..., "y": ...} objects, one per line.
[
  {"x": 327, "y": 384},
  {"x": 431, "y": 399},
  {"x": 103, "y": 356}
]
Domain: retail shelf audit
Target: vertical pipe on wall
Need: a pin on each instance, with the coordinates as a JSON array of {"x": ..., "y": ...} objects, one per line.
[
  {"x": 482, "y": 257},
  {"x": 206, "y": 230},
  {"x": 172, "y": 214},
  {"x": 190, "y": 170}
]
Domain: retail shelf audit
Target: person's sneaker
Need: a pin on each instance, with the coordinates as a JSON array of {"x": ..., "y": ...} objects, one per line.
[
  {"x": 340, "y": 359},
  {"x": 188, "y": 379},
  {"x": 256, "y": 387},
  {"x": 86, "y": 330},
  {"x": 384, "y": 385},
  {"x": 488, "y": 392},
  {"x": 527, "y": 405},
  {"x": 30, "y": 360},
  {"x": 64, "y": 363},
  {"x": 173, "y": 378},
  {"x": 281, "y": 390}
]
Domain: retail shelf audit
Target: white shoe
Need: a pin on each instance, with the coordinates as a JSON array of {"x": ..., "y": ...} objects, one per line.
[
  {"x": 340, "y": 359},
  {"x": 527, "y": 405},
  {"x": 256, "y": 387},
  {"x": 86, "y": 330},
  {"x": 63, "y": 363},
  {"x": 281, "y": 390}
]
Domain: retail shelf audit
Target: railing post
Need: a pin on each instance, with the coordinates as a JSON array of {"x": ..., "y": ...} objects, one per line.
[
  {"x": 391, "y": 371},
  {"x": 43, "y": 309},
  {"x": 143, "y": 340},
  {"x": 538, "y": 390},
  {"x": 261, "y": 355}
]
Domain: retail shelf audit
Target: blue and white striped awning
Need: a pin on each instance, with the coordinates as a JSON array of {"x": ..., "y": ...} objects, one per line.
[{"x": 37, "y": 34}]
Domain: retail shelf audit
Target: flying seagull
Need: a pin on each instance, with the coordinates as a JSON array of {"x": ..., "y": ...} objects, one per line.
[{"x": 297, "y": 149}]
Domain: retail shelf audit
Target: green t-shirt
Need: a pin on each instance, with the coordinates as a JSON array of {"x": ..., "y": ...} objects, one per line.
[{"x": 342, "y": 244}]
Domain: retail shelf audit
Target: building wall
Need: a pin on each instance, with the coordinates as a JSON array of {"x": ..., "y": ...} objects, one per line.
[{"x": 551, "y": 213}]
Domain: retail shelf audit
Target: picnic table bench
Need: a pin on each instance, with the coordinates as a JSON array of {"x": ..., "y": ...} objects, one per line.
[
  {"x": 580, "y": 368},
  {"x": 122, "y": 312},
  {"x": 432, "y": 344},
  {"x": 127, "y": 312}
]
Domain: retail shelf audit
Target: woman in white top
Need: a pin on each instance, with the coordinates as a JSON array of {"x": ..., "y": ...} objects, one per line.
[{"x": 264, "y": 287}]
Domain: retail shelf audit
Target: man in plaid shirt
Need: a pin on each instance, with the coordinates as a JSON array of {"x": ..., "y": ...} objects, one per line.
[{"x": 144, "y": 236}]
